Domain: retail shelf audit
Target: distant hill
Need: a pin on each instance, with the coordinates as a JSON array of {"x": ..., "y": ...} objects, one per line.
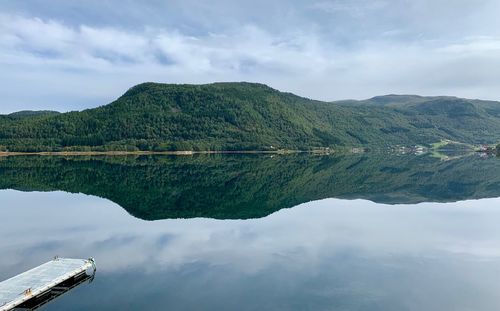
[
  {"x": 32, "y": 113},
  {"x": 250, "y": 116}
]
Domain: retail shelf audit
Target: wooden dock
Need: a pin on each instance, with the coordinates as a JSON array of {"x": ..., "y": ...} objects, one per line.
[{"x": 37, "y": 286}]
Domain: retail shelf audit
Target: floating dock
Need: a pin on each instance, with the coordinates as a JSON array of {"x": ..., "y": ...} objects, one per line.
[{"x": 35, "y": 287}]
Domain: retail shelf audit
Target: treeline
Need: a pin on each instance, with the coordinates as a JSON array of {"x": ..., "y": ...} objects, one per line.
[{"x": 129, "y": 145}]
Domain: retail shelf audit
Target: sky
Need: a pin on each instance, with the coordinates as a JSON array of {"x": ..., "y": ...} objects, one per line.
[{"x": 71, "y": 55}]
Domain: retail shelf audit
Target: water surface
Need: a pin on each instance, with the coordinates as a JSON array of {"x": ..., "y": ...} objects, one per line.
[{"x": 362, "y": 232}]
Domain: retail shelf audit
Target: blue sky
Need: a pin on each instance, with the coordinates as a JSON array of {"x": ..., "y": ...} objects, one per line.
[{"x": 71, "y": 55}]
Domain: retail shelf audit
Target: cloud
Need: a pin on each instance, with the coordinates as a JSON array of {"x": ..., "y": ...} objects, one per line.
[
  {"x": 356, "y": 7},
  {"x": 474, "y": 46},
  {"x": 53, "y": 48},
  {"x": 50, "y": 42},
  {"x": 325, "y": 50}
]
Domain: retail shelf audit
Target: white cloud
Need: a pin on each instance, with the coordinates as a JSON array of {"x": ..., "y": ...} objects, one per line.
[
  {"x": 355, "y": 7},
  {"x": 85, "y": 47},
  {"x": 48, "y": 64},
  {"x": 474, "y": 45}
]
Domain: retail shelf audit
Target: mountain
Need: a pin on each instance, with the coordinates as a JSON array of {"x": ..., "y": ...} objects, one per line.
[
  {"x": 252, "y": 186},
  {"x": 250, "y": 116},
  {"x": 31, "y": 113}
]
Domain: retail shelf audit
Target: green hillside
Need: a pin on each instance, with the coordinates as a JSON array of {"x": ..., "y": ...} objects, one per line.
[
  {"x": 31, "y": 113},
  {"x": 249, "y": 116}
]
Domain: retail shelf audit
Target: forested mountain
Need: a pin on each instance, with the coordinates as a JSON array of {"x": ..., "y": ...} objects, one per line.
[
  {"x": 31, "y": 113},
  {"x": 249, "y": 116}
]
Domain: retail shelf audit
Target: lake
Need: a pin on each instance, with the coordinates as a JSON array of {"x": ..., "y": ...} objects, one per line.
[{"x": 260, "y": 232}]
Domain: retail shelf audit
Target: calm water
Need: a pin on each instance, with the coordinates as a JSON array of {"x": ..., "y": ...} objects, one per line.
[{"x": 363, "y": 232}]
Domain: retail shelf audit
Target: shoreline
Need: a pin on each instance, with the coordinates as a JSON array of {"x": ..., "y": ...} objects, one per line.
[{"x": 140, "y": 153}]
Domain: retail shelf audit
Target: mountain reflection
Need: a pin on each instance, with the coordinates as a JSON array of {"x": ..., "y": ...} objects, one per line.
[{"x": 252, "y": 186}]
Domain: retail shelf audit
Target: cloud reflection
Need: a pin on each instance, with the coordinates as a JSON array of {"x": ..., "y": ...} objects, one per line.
[
  {"x": 340, "y": 254},
  {"x": 47, "y": 224}
]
